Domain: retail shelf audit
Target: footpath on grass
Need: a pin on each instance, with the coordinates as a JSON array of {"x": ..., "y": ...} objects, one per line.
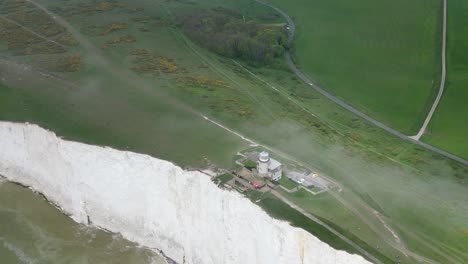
[
  {"x": 293, "y": 66},
  {"x": 333, "y": 231},
  {"x": 442, "y": 79}
]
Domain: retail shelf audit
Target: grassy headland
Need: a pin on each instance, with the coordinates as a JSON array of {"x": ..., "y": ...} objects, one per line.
[{"x": 142, "y": 84}]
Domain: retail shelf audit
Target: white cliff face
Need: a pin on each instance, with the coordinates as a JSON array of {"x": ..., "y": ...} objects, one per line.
[{"x": 154, "y": 203}]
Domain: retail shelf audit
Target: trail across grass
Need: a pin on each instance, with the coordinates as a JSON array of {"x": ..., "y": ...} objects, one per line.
[
  {"x": 440, "y": 92},
  {"x": 449, "y": 126}
]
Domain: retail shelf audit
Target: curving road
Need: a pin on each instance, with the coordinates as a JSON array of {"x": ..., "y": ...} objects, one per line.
[
  {"x": 442, "y": 80},
  {"x": 293, "y": 66}
]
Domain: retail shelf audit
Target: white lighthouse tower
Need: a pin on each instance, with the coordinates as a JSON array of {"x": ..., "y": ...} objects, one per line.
[{"x": 263, "y": 164}]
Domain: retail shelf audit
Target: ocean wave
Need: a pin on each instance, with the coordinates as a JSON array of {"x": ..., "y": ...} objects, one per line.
[{"x": 19, "y": 253}]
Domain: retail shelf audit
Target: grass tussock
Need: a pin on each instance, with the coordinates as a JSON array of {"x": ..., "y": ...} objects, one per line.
[
  {"x": 71, "y": 63},
  {"x": 120, "y": 40},
  {"x": 113, "y": 27},
  {"x": 203, "y": 81},
  {"x": 88, "y": 9},
  {"x": 66, "y": 39},
  {"x": 146, "y": 62}
]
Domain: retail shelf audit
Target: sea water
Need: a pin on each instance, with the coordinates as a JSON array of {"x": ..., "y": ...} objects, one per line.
[{"x": 32, "y": 231}]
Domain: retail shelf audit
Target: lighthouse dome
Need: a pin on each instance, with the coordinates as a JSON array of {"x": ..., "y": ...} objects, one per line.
[{"x": 264, "y": 156}]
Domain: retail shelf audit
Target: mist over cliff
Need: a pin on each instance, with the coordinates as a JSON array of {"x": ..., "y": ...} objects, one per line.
[{"x": 154, "y": 202}]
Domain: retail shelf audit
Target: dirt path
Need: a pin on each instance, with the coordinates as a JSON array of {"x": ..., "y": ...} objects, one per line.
[
  {"x": 32, "y": 32},
  {"x": 318, "y": 221},
  {"x": 251, "y": 142},
  {"x": 442, "y": 80},
  {"x": 396, "y": 242},
  {"x": 305, "y": 79}
]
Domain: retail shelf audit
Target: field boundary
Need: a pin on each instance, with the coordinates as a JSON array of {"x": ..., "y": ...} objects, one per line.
[{"x": 306, "y": 80}]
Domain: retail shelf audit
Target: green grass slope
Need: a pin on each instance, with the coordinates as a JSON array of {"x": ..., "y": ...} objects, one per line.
[
  {"x": 141, "y": 85},
  {"x": 379, "y": 56},
  {"x": 448, "y": 128}
]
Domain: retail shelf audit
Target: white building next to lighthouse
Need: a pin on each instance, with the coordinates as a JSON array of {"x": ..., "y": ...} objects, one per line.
[{"x": 268, "y": 167}]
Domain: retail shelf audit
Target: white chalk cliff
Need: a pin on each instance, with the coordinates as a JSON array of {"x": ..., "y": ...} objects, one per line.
[{"x": 154, "y": 203}]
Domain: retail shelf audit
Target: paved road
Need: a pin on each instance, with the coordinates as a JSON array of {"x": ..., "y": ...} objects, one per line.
[
  {"x": 318, "y": 221},
  {"x": 293, "y": 66},
  {"x": 442, "y": 80}
]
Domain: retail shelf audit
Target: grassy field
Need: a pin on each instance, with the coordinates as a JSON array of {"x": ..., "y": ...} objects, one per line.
[
  {"x": 381, "y": 57},
  {"x": 222, "y": 179},
  {"x": 142, "y": 85},
  {"x": 107, "y": 105},
  {"x": 280, "y": 210},
  {"x": 449, "y": 125},
  {"x": 359, "y": 223},
  {"x": 288, "y": 184}
]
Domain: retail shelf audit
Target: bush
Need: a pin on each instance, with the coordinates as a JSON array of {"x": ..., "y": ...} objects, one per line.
[
  {"x": 250, "y": 164},
  {"x": 229, "y": 34}
]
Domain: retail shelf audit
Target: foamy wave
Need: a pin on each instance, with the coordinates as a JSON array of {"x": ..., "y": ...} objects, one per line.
[{"x": 20, "y": 254}]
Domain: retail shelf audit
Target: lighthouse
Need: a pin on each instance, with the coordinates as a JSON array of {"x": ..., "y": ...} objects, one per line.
[
  {"x": 268, "y": 167},
  {"x": 263, "y": 164}
]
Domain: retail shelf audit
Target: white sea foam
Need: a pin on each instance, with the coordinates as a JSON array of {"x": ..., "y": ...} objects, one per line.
[
  {"x": 19, "y": 253},
  {"x": 154, "y": 203}
]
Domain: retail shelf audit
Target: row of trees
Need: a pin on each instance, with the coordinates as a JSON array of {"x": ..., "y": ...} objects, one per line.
[{"x": 234, "y": 36}]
